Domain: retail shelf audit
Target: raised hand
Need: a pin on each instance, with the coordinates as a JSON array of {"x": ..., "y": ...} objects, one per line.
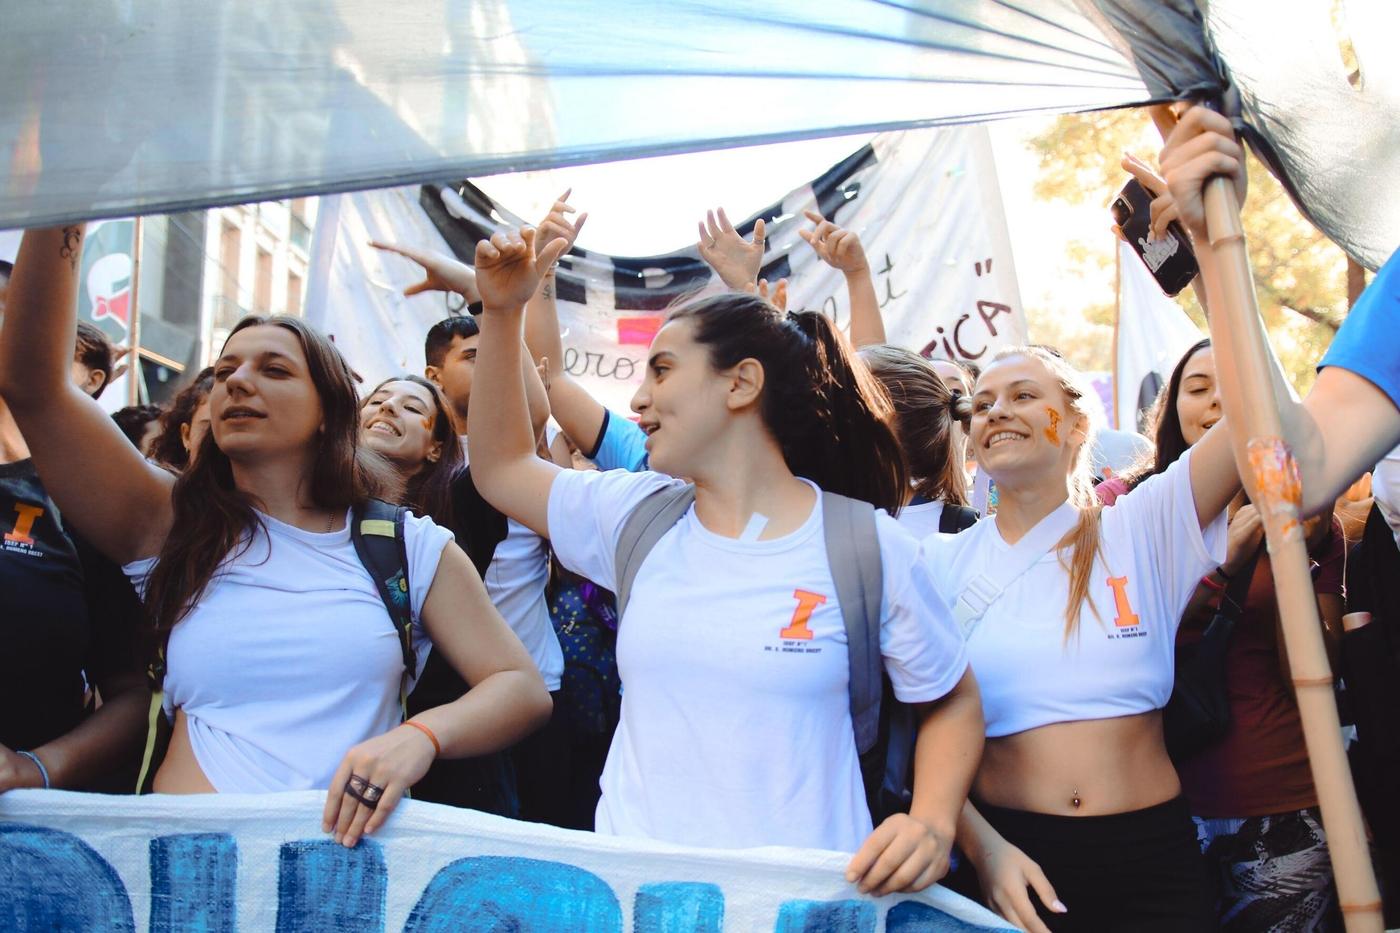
[
  {"x": 836, "y": 246},
  {"x": 556, "y": 225},
  {"x": 776, "y": 295},
  {"x": 735, "y": 259},
  {"x": 441, "y": 273},
  {"x": 1202, "y": 145},
  {"x": 1164, "y": 209},
  {"x": 508, "y": 270}
]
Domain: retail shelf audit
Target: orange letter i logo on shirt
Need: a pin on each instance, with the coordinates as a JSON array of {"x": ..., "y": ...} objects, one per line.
[
  {"x": 1126, "y": 617},
  {"x": 24, "y": 524},
  {"x": 806, "y": 605}
]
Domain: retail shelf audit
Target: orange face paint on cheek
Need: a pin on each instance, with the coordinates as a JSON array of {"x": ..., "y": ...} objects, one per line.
[
  {"x": 1052, "y": 430},
  {"x": 428, "y": 423}
]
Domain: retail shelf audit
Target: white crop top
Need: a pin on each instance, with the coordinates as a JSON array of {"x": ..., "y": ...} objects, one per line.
[
  {"x": 1153, "y": 553},
  {"x": 290, "y": 658}
]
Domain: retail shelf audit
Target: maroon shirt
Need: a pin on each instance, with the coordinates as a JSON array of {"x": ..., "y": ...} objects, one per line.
[{"x": 1261, "y": 766}]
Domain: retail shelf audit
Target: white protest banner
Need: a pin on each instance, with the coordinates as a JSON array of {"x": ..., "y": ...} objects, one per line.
[
  {"x": 925, "y": 202},
  {"x": 1152, "y": 334},
  {"x": 260, "y": 862}
]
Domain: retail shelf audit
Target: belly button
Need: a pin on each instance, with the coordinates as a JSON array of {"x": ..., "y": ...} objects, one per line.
[{"x": 1075, "y": 801}]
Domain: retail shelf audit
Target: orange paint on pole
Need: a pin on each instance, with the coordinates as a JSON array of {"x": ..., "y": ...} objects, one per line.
[{"x": 1278, "y": 490}]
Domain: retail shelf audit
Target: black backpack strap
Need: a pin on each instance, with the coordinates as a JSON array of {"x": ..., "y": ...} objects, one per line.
[
  {"x": 853, "y": 551},
  {"x": 649, "y": 521},
  {"x": 956, "y": 518},
  {"x": 377, "y": 531},
  {"x": 158, "y": 728}
]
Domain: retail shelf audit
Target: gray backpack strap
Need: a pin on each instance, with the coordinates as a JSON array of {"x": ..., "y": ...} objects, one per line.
[
  {"x": 653, "y": 517},
  {"x": 853, "y": 550}
]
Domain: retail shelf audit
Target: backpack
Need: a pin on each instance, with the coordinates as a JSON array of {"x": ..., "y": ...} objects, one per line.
[
  {"x": 584, "y": 616},
  {"x": 377, "y": 532},
  {"x": 956, "y": 519},
  {"x": 884, "y": 727}
]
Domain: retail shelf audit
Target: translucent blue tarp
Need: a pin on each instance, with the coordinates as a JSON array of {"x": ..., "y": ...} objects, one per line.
[{"x": 115, "y": 107}]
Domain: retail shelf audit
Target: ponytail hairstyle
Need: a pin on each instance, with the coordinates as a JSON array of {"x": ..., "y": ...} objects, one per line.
[
  {"x": 428, "y": 491},
  {"x": 1083, "y": 540},
  {"x": 925, "y": 411},
  {"x": 830, "y": 417},
  {"x": 214, "y": 519},
  {"x": 169, "y": 447}
]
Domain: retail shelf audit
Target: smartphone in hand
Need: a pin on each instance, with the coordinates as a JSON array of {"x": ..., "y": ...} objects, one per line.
[{"x": 1169, "y": 258}]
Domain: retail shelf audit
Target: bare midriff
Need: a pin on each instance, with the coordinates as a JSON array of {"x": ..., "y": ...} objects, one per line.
[
  {"x": 1095, "y": 767},
  {"x": 180, "y": 773}
]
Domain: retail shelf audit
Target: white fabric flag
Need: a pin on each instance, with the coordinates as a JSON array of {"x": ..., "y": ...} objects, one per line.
[
  {"x": 1153, "y": 333},
  {"x": 260, "y": 862},
  {"x": 925, "y": 202}
]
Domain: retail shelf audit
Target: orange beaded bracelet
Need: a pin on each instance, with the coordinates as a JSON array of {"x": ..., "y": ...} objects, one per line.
[{"x": 437, "y": 747}]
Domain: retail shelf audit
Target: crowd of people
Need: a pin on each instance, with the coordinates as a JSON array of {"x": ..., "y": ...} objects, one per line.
[{"x": 719, "y": 623}]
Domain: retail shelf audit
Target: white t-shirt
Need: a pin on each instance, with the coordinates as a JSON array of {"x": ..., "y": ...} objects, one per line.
[
  {"x": 1153, "y": 553},
  {"x": 290, "y": 657},
  {"x": 736, "y": 727},
  {"x": 516, "y": 581},
  {"x": 921, "y": 519}
]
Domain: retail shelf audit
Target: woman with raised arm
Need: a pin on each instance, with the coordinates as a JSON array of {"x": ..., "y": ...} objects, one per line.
[
  {"x": 1070, "y": 613},
  {"x": 246, "y": 560},
  {"x": 1251, "y": 791},
  {"x": 736, "y": 727}
]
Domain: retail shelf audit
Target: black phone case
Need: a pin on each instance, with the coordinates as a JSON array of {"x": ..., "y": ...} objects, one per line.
[{"x": 1169, "y": 259}]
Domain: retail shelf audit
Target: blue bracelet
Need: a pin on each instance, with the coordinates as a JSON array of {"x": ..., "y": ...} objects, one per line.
[{"x": 43, "y": 772}]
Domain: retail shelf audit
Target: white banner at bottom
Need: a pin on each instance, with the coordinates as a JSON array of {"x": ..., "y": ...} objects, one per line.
[{"x": 243, "y": 862}]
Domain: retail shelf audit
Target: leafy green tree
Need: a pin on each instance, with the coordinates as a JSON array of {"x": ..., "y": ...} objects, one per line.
[{"x": 1299, "y": 275}]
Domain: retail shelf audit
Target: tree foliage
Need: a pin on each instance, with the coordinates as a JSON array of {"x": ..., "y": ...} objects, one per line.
[{"x": 1299, "y": 275}]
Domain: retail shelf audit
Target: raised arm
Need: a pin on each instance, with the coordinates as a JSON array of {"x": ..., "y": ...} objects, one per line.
[
  {"x": 841, "y": 249},
  {"x": 578, "y": 413},
  {"x": 507, "y": 471},
  {"x": 1348, "y": 422},
  {"x": 99, "y": 481}
]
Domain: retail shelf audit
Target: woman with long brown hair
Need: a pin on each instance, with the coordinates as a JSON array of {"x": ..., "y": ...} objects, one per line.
[
  {"x": 283, "y": 669},
  {"x": 406, "y": 420},
  {"x": 736, "y": 727}
]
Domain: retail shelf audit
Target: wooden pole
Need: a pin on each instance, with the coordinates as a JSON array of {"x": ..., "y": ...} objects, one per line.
[
  {"x": 133, "y": 357},
  {"x": 1271, "y": 476}
]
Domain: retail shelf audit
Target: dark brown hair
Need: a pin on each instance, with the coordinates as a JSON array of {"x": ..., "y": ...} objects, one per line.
[
  {"x": 441, "y": 335},
  {"x": 214, "y": 520},
  {"x": 94, "y": 350},
  {"x": 429, "y": 490},
  {"x": 830, "y": 417},
  {"x": 1168, "y": 441},
  {"x": 925, "y": 409},
  {"x": 169, "y": 449},
  {"x": 133, "y": 420}
]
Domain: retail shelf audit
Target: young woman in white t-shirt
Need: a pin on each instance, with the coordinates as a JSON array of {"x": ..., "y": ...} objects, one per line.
[
  {"x": 283, "y": 668},
  {"x": 736, "y": 728},
  {"x": 929, "y": 419},
  {"x": 1075, "y": 797}
]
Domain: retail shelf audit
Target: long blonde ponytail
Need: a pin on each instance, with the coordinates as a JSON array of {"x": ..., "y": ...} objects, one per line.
[{"x": 1082, "y": 543}]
